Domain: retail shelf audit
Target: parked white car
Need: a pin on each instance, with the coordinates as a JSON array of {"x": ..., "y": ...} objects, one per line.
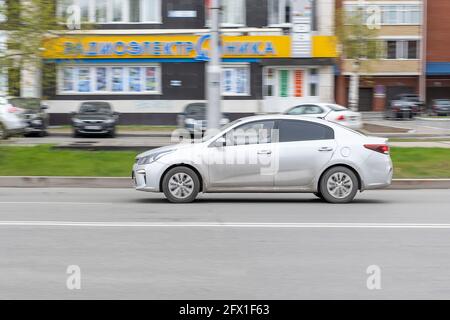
[
  {"x": 331, "y": 112},
  {"x": 11, "y": 121},
  {"x": 277, "y": 153}
]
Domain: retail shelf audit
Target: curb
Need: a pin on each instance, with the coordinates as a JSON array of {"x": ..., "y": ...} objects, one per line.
[
  {"x": 120, "y": 183},
  {"x": 432, "y": 119}
]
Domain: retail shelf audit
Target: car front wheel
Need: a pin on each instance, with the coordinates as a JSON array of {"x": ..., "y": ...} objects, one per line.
[
  {"x": 181, "y": 185},
  {"x": 339, "y": 185}
]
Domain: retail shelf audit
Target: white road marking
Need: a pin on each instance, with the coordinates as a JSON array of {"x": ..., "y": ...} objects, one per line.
[
  {"x": 220, "y": 225},
  {"x": 58, "y": 203}
]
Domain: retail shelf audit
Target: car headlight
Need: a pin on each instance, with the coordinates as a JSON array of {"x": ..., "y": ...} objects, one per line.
[
  {"x": 77, "y": 121},
  {"x": 109, "y": 121},
  {"x": 37, "y": 122},
  {"x": 153, "y": 157}
]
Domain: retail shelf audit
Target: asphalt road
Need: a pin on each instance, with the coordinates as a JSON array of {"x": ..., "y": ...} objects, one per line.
[{"x": 136, "y": 245}]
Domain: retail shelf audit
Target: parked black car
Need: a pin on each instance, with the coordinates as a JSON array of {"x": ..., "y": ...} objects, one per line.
[
  {"x": 194, "y": 118},
  {"x": 413, "y": 100},
  {"x": 35, "y": 115},
  {"x": 398, "y": 110},
  {"x": 95, "y": 118},
  {"x": 440, "y": 107}
]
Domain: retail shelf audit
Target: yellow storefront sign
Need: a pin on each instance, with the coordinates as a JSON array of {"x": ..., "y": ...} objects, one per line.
[{"x": 176, "y": 47}]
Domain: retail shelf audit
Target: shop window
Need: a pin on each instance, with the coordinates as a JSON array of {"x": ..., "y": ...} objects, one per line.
[
  {"x": 313, "y": 82},
  {"x": 109, "y": 79},
  {"x": 291, "y": 82},
  {"x": 233, "y": 13},
  {"x": 236, "y": 80}
]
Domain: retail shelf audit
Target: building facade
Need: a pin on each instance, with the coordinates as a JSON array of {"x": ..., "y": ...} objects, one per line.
[
  {"x": 438, "y": 50},
  {"x": 148, "y": 57},
  {"x": 399, "y": 68}
]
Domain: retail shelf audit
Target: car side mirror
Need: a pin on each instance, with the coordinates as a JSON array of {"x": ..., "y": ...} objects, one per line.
[
  {"x": 44, "y": 107},
  {"x": 220, "y": 142},
  {"x": 73, "y": 113}
]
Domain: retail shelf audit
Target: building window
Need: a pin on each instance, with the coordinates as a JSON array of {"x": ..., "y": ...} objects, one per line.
[
  {"x": 115, "y": 11},
  {"x": 233, "y": 13},
  {"x": 236, "y": 80},
  {"x": 402, "y": 49},
  {"x": 280, "y": 12},
  {"x": 391, "y": 14},
  {"x": 109, "y": 79},
  {"x": 291, "y": 82}
]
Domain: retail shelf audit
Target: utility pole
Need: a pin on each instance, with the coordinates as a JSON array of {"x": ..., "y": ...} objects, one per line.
[
  {"x": 423, "y": 53},
  {"x": 214, "y": 69}
]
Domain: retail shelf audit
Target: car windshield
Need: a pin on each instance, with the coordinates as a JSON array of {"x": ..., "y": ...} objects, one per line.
[
  {"x": 26, "y": 103},
  {"x": 196, "y": 111},
  {"x": 103, "y": 108},
  {"x": 411, "y": 98}
]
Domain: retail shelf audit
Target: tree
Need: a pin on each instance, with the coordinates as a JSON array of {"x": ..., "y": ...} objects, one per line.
[
  {"x": 26, "y": 25},
  {"x": 357, "y": 32}
]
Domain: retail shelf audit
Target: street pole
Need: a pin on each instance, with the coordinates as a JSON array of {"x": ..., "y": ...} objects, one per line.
[
  {"x": 423, "y": 53},
  {"x": 214, "y": 69}
]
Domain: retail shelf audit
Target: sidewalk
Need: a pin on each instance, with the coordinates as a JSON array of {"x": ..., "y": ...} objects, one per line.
[{"x": 421, "y": 144}]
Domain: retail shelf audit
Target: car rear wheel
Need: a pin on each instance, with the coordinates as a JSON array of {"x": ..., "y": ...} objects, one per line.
[
  {"x": 181, "y": 185},
  {"x": 339, "y": 185},
  {"x": 3, "y": 132}
]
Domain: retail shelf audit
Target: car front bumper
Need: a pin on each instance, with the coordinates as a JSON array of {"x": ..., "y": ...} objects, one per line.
[{"x": 147, "y": 177}]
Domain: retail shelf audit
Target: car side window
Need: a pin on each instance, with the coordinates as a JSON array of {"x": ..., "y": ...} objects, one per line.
[
  {"x": 297, "y": 130},
  {"x": 258, "y": 132}
]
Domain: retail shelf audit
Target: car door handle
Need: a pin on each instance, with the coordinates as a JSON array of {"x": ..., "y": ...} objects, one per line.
[
  {"x": 325, "y": 149},
  {"x": 265, "y": 152}
]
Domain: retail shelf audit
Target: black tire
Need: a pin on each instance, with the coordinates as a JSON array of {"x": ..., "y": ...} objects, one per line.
[
  {"x": 75, "y": 134},
  {"x": 348, "y": 194},
  {"x": 319, "y": 195},
  {"x": 3, "y": 132},
  {"x": 184, "y": 172},
  {"x": 112, "y": 134}
]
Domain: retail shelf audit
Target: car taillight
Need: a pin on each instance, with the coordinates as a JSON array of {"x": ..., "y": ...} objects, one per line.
[
  {"x": 12, "y": 109},
  {"x": 340, "y": 118},
  {"x": 381, "y": 148}
]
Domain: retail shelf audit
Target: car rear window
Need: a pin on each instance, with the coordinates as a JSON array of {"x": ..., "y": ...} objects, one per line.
[
  {"x": 298, "y": 130},
  {"x": 336, "y": 107},
  {"x": 95, "y": 107}
]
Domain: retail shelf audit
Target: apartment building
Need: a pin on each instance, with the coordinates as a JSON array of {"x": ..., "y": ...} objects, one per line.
[
  {"x": 399, "y": 68},
  {"x": 148, "y": 57},
  {"x": 438, "y": 50}
]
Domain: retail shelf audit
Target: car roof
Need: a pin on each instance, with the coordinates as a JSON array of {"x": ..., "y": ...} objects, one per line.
[{"x": 285, "y": 117}]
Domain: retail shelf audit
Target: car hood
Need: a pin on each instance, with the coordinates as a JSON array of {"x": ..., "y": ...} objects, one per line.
[
  {"x": 174, "y": 147},
  {"x": 93, "y": 117}
]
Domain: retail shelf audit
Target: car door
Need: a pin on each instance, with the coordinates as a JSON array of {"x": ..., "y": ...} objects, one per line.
[
  {"x": 304, "y": 150},
  {"x": 243, "y": 159}
]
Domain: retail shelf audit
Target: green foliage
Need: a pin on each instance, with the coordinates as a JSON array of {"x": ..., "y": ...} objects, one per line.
[
  {"x": 44, "y": 161},
  {"x": 357, "y": 41},
  {"x": 28, "y": 24}
]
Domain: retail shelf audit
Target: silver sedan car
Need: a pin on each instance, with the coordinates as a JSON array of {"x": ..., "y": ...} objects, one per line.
[{"x": 277, "y": 154}]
